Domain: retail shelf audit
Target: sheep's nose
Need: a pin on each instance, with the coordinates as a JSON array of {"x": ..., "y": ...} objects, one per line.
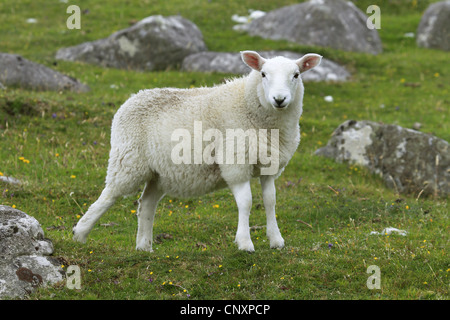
[{"x": 279, "y": 101}]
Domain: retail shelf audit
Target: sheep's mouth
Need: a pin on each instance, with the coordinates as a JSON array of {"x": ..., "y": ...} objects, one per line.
[
  {"x": 280, "y": 104},
  {"x": 279, "y": 107}
]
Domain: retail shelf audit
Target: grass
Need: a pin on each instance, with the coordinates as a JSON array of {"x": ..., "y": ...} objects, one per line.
[{"x": 57, "y": 143}]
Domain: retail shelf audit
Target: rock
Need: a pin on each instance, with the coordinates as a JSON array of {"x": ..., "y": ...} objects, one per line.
[
  {"x": 434, "y": 28},
  {"x": 154, "y": 43},
  {"x": 228, "y": 62},
  {"x": 209, "y": 61},
  {"x": 336, "y": 24},
  {"x": 416, "y": 126},
  {"x": 10, "y": 180},
  {"x": 409, "y": 161},
  {"x": 17, "y": 71},
  {"x": 244, "y": 21},
  {"x": 25, "y": 261}
]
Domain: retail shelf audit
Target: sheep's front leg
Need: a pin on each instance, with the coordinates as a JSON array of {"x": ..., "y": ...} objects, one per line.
[
  {"x": 243, "y": 195},
  {"x": 269, "y": 198},
  {"x": 146, "y": 214}
]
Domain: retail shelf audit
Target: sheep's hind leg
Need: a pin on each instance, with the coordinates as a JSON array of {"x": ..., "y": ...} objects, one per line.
[
  {"x": 146, "y": 214},
  {"x": 243, "y": 195},
  {"x": 94, "y": 213}
]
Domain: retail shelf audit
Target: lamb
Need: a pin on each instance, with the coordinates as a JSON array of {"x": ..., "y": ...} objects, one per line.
[{"x": 143, "y": 144}]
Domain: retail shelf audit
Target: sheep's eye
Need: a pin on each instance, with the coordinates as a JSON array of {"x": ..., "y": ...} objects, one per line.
[
  {"x": 296, "y": 75},
  {"x": 263, "y": 74}
]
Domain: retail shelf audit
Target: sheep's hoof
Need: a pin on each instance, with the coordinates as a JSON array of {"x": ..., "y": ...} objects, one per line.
[
  {"x": 78, "y": 237},
  {"x": 248, "y": 249},
  {"x": 146, "y": 249},
  {"x": 144, "y": 245},
  {"x": 277, "y": 243},
  {"x": 246, "y": 245}
]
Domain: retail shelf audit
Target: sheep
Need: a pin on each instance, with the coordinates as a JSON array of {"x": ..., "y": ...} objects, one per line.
[{"x": 143, "y": 144}]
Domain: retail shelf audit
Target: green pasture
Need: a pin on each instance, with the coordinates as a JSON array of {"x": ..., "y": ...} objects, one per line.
[{"x": 57, "y": 143}]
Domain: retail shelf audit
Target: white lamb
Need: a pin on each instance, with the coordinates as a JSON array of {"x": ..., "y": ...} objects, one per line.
[{"x": 142, "y": 144}]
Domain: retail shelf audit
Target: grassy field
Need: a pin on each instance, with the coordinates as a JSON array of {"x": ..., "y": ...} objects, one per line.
[{"x": 57, "y": 143}]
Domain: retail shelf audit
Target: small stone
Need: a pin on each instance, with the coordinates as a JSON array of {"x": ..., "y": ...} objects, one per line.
[{"x": 10, "y": 180}]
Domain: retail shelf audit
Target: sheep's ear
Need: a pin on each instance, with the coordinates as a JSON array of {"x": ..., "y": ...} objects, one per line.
[
  {"x": 308, "y": 61},
  {"x": 253, "y": 59}
]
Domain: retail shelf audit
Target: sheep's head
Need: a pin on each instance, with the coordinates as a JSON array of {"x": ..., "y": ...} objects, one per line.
[{"x": 280, "y": 77}]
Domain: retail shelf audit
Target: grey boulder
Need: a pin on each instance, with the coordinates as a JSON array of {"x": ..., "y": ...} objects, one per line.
[
  {"x": 25, "y": 261},
  {"x": 336, "y": 24},
  {"x": 409, "y": 161},
  {"x": 16, "y": 71},
  {"x": 434, "y": 28},
  {"x": 231, "y": 62},
  {"x": 154, "y": 43}
]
